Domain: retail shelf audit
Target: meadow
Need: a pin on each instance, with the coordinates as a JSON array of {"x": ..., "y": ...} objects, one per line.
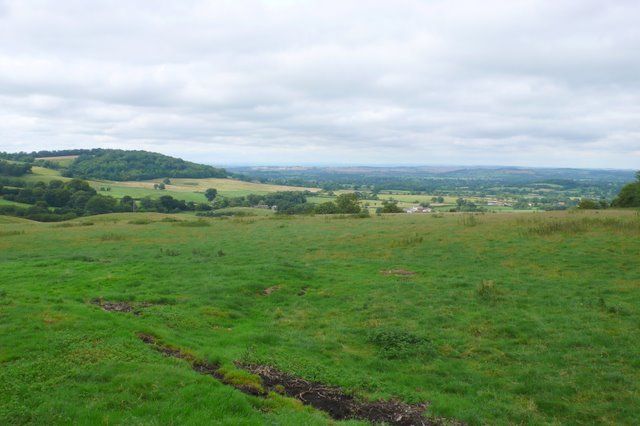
[
  {"x": 181, "y": 189},
  {"x": 528, "y": 318}
]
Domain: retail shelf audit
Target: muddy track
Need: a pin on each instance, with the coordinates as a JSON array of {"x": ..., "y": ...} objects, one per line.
[
  {"x": 330, "y": 399},
  {"x": 335, "y": 402}
]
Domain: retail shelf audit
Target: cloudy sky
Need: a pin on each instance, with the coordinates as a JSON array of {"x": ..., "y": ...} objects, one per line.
[{"x": 545, "y": 83}]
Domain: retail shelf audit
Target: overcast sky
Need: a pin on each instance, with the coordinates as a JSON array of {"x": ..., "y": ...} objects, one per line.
[{"x": 545, "y": 83}]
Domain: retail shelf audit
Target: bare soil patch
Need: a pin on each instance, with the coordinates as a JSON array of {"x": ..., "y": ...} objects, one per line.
[
  {"x": 120, "y": 306},
  {"x": 267, "y": 291},
  {"x": 335, "y": 402}
]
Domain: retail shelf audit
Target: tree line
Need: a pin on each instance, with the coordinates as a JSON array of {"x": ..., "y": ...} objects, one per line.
[
  {"x": 117, "y": 164},
  {"x": 291, "y": 202},
  {"x": 58, "y": 200},
  {"x": 8, "y": 168}
]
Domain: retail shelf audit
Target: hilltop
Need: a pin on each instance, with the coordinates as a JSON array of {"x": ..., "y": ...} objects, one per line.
[{"x": 117, "y": 164}]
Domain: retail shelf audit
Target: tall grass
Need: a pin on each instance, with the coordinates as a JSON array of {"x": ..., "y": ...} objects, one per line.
[{"x": 585, "y": 224}]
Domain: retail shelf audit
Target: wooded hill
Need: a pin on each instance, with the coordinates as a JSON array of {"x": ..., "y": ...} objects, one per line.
[{"x": 121, "y": 165}]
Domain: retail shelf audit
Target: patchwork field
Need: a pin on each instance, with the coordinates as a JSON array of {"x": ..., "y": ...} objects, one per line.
[
  {"x": 182, "y": 189},
  {"x": 160, "y": 319}
]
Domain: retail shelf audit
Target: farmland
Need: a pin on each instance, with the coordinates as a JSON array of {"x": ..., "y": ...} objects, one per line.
[
  {"x": 183, "y": 189},
  {"x": 488, "y": 319}
]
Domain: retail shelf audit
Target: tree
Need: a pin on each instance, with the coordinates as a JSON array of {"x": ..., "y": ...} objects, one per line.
[
  {"x": 161, "y": 186},
  {"x": 348, "y": 203},
  {"x": 588, "y": 204},
  {"x": 211, "y": 194},
  {"x": 14, "y": 169},
  {"x": 629, "y": 195},
  {"x": 328, "y": 207},
  {"x": 390, "y": 206},
  {"x": 99, "y": 204},
  {"x": 167, "y": 181},
  {"x": 127, "y": 203}
]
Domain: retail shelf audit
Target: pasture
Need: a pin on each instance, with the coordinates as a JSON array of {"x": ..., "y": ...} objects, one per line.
[
  {"x": 488, "y": 319},
  {"x": 181, "y": 189}
]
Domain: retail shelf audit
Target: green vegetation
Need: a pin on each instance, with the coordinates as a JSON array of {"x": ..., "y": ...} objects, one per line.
[
  {"x": 517, "y": 188},
  {"x": 8, "y": 168},
  {"x": 629, "y": 195},
  {"x": 519, "y": 319},
  {"x": 119, "y": 165},
  {"x": 390, "y": 206},
  {"x": 60, "y": 200}
]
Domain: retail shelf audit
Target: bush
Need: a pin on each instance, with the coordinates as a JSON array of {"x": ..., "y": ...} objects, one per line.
[{"x": 487, "y": 291}]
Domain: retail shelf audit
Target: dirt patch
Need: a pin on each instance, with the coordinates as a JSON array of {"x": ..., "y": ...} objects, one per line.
[
  {"x": 120, "y": 306},
  {"x": 336, "y": 403},
  {"x": 398, "y": 272},
  {"x": 267, "y": 291},
  {"x": 330, "y": 399}
]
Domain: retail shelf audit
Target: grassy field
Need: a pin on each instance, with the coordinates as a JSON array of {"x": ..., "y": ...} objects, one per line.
[
  {"x": 491, "y": 319},
  {"x": 62, "y": 160},
  {"x": 193, "y": 190},
  {"x": 4, "y": 202},
  {"x": 181, "y": 189}
]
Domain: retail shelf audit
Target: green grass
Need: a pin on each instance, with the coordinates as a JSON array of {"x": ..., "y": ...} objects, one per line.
[
  {"x": 119, "y": 191},
  {"x": 63, "y": 160},
  {"x": 4, "y": 202},
  {"x": 518, "y": 319},
  {"x": 181, "y": 189}
]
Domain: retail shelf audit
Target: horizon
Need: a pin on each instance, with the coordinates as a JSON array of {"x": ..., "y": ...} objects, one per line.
[{"x": 345, "y": 165}]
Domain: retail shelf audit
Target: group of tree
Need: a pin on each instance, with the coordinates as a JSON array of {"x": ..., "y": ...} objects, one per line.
[
  {"x": 119, "y": 165},
  {"x": 285, "y": 202},
  {"x": 291, "y": 202},
  {"x": 60, "y": 200},
  {"x": 389, "y": 206},
  {"x": 463, "y": 205},
  {"x": 589, "y": 204},
  {"x": 629, "y": 195},
  {"x": 9, "y": 168},
  {"x": 116, "y": 164}
]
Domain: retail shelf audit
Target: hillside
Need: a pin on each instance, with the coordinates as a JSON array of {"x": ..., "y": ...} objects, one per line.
[
  {"x": 119, "y": 165},
  {"x": 164, "y": 319}
]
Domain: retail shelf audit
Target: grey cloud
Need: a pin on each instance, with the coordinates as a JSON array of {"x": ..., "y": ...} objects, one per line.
[{"x": 409, "y": 81}]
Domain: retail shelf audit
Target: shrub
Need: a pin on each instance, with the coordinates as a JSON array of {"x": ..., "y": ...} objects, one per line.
[
  {"x": 487, "y": 291},
  {"x": 169, "y": 252}
]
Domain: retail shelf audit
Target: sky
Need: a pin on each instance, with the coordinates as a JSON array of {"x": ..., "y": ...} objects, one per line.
[{"x": 529, "y": 83}]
